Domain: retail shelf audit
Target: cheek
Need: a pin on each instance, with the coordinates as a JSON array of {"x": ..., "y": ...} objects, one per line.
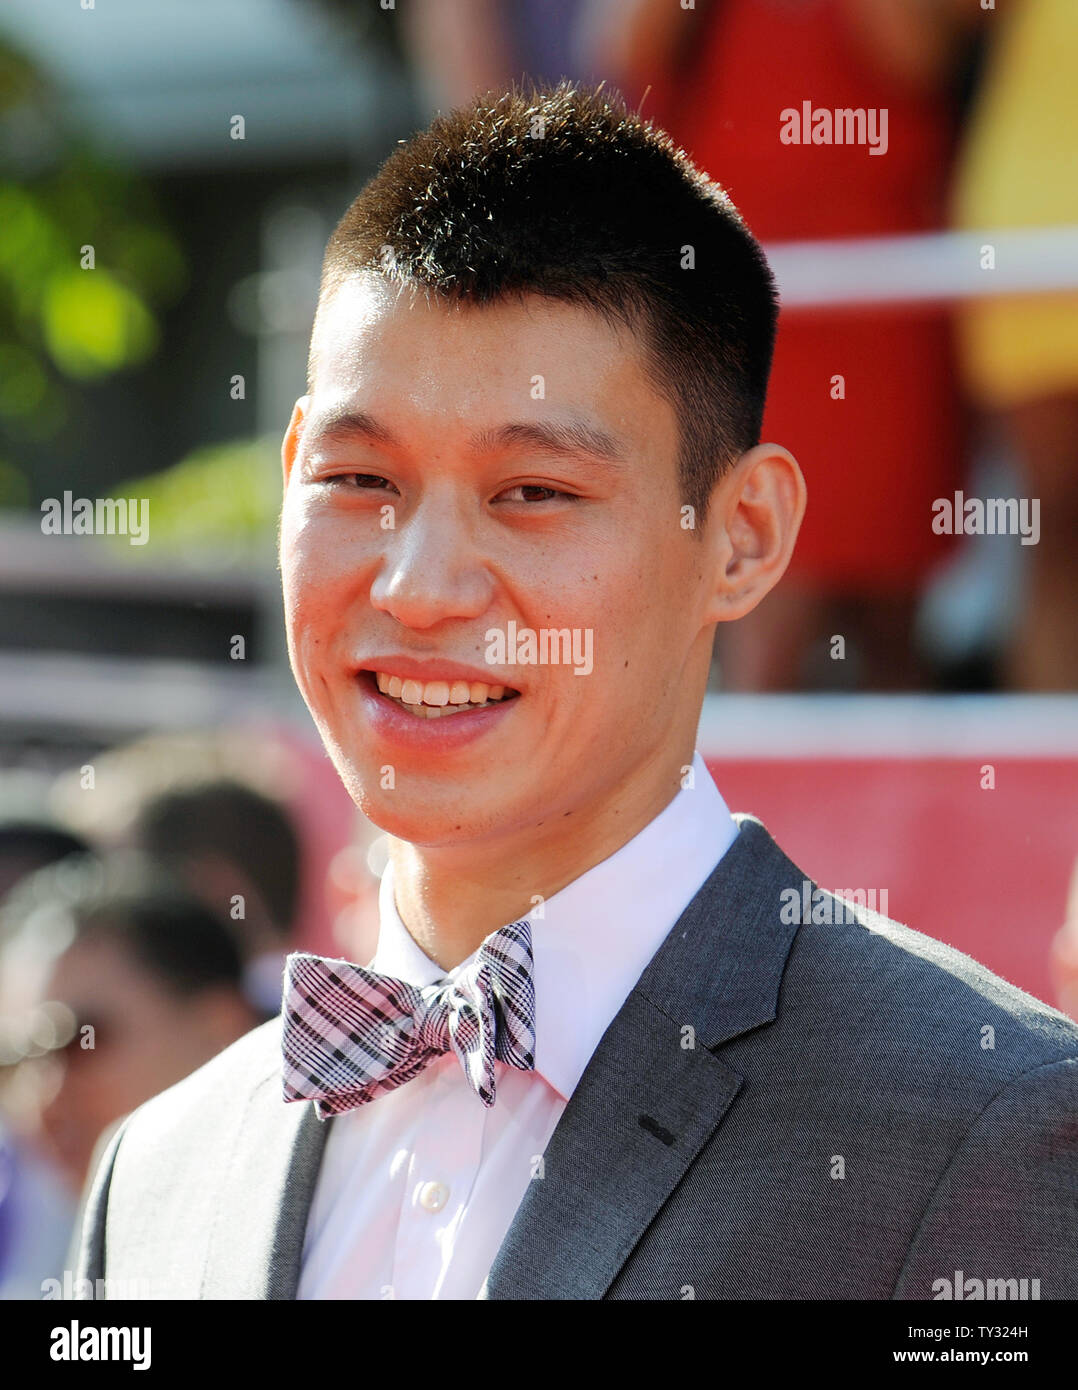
[
  {"x": 624, "y": 604},
  {"x": 642, "y": 627},
  {"x": 306, "y": 553},
  {"x": 316, "y": 567}
]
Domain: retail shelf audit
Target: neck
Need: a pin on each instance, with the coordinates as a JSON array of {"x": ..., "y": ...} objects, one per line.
[{"x": 452, "y": 898}]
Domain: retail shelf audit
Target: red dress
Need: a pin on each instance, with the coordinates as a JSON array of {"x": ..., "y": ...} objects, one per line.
[{"x": 875, "y": 460}]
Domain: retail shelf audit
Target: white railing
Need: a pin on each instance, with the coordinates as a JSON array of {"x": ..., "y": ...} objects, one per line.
[{"x": 932, "y": 267}]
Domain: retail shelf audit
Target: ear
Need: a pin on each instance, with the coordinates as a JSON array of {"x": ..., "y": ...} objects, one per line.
[
  {"x": 756, "y": 512},
  {"x": 293, "y": 434}
]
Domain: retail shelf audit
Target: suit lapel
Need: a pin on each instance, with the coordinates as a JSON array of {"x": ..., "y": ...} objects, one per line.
[
  {"x": 653, "y": 1092},
  {"x": 256, "y": 1246}
]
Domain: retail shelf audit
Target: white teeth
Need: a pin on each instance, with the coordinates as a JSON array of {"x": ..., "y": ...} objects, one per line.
[{"x": 431, "y": 699}]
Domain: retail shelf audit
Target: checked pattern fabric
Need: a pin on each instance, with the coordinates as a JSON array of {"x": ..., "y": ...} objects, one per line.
[{"x": 351, "y": 1033}]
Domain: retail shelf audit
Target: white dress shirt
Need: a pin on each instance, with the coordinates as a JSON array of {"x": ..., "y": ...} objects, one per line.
[{"x": 418, "y": 1188}]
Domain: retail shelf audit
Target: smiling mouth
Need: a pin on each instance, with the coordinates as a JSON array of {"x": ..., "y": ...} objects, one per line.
[{"x": 437, "y": 699}]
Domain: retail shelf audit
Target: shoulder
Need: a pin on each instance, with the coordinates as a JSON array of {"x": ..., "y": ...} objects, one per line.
[
  {"x": 899, "y": 1025},
  {"x": 901, "y": 977},
  {"x": 871, "y": 990},
  {"x": 158, "y": 1174}
]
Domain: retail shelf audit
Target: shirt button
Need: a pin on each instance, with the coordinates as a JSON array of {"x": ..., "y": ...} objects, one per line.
[{"x": 433, "y": 1196}]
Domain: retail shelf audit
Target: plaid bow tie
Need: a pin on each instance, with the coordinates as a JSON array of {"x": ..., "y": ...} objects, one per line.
[{"x": 351, "y": 1033}]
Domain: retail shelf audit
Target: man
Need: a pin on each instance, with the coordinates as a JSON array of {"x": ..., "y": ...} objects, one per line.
[
  {"x": 596, "y": 1055},
  {"x": 116, "y": 982}
]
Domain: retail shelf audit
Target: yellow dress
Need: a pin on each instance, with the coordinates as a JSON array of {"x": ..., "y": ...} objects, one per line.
[{"x": 1019, "y": 168}]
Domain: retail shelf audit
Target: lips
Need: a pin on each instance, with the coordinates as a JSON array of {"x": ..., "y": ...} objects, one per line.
[{"x": 430, "y": 728}]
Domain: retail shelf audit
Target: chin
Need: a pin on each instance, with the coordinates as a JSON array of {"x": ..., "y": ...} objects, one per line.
[{"x": 421, "y": 816}]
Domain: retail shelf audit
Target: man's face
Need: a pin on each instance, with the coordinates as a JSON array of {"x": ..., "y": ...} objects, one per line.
[
  {"x": 429, "y": 502},
  {"x": 144, "y": 1040}
]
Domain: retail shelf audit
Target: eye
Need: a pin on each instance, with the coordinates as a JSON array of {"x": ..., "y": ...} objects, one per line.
[
  {"x": 371, "y": 481},
  {"x": 526, "y": 493}
]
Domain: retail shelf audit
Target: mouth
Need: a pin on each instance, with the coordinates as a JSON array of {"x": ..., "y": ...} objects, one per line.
[{"x": 437, "y": 699}]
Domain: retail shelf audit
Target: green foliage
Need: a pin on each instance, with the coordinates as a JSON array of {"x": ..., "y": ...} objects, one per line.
[
  {"x": 61, "y": 322},
  {"x": 219, "y": 505},
  {"x": 14, "y": 486},
  {"x": 94, "y": 325}
]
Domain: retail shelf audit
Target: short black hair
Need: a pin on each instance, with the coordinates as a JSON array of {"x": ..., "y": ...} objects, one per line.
[
  {"x": 40, "y": 841},
  {"x": 564, "y": 192},
  {"x": 136, "y": 902},
  {"x": 29, "y": 844},
  {"x": 225, "y": 817}
]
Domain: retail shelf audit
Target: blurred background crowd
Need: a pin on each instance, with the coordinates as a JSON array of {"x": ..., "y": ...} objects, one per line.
[{"x": 169, "y": 825}]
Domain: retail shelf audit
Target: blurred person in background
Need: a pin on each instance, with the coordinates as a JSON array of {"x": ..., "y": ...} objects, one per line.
[
  {"x": 718, "y": 77},
  {"x": 36, "y": 1209},
  {"x": 116, "y": 986},
  {"x": 240, "y": 816},
  {"x": 1019, "y": 355},
  {"x": 36, "y": 1215},
  {"x": 238, "y": 851}
]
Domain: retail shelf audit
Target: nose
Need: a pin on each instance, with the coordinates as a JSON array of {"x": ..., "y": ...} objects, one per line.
[{"x": 432, "y": 569}]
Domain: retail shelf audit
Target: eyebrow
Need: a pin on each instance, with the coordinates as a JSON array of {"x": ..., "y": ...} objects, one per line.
[
  {"x": 349, "y": 424},
  {"x": 570, "y": 438}
]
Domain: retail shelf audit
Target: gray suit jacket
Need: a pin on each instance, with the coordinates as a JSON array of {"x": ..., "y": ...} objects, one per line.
[{"x": 778, "y": 1111}]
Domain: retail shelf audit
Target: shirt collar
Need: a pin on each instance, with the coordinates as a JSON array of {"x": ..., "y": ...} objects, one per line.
[{"x": 596, "y": 935}]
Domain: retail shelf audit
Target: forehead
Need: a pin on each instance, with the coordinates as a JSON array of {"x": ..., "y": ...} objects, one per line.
[{"x": 395, "y": 346}]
